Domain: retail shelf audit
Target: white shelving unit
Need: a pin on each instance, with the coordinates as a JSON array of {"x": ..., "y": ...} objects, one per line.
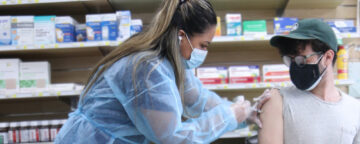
[
  {"x": 263, "y": 85},
  {"x": 239, "y": 134}
]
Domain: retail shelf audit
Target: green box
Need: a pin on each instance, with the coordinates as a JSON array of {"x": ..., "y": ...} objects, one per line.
[{"x": 256, "y": 27}]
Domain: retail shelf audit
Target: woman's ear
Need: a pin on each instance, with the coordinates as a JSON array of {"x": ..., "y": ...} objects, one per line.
[{"x": 181, "y": 34}]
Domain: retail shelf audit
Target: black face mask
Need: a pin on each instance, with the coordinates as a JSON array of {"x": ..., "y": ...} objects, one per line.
[{"x": 305, "y": 77}]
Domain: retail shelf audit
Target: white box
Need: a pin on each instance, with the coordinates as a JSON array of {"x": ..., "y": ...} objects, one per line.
[
  {"x": 136, "y": 26},
  {"x": 233, "y": 24},
  {"x": 22, "y": 28},
  {"x": 213, "y": 75},
  {"x": 93, "y": 27},
  {"x": 244, "y": 74},
  {"x": 109, "y": 27},
  {"x": 124, "y": 20},
  {"x": 44, "y": 30},
  {"x": 5, "y": 30},
  {"x": 65, "y": 29},
  {"x": 80, "y": 31},
  {"x": 276, "y": 73},
  {"x": 9, "y": 74},
  {"x": 34, "y": 76}
]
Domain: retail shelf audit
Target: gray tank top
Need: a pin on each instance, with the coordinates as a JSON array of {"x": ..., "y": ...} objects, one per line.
[{"x": 310, "y": 120}]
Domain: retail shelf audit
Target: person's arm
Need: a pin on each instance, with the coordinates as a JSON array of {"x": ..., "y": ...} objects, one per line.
[
  {"x": 198, "y": 99},
  {"x": 154, "y": 107},
  {"x": 272, "y": 120}
]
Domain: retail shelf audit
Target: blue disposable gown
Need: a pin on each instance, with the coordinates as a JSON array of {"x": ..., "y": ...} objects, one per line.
[{"x": 116, "y": 111}]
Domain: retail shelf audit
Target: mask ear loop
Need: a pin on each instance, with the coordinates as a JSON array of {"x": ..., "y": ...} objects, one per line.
[
  {"x": 322, "y": 73},
  {"x": 189, "y": 41}
]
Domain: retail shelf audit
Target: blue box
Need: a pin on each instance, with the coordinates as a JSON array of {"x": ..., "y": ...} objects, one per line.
[
  {"x": 109, "y": 27},
  {"x": 342, "y": 26},
  {"x": 5, "y": 30},
  {"x": 283, "y": 25},
  {"x": 65, "y": 29},
  {"x": 93, "y": 27},
  {"x": 136, "y": 26},
  {"x": 80, "y": 31}
]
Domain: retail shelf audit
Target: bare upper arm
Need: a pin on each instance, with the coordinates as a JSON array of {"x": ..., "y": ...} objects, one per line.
[{"x": 272, "y": 120}]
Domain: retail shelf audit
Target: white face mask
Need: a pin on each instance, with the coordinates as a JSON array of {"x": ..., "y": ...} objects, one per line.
[{"x": 197, "y": 57}]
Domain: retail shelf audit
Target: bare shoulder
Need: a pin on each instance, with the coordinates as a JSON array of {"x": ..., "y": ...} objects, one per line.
[
  {"x": 274, "y": 102},
  {"x": 272, "y": 120}
]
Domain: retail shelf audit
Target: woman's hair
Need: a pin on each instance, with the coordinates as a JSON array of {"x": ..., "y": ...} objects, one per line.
[{"x": 160, "y": 39}]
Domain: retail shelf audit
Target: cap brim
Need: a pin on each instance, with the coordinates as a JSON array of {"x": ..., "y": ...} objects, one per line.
[{"x": 278, "y": 41}]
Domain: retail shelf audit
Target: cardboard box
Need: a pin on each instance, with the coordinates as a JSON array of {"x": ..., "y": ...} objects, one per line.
[
  {"x": 342, "y": 26},
  {"x": 276, "y": 73},
  {"x": 80, "y": 31},
  {"x": 109, "y": 27},
  {"x": 213, "y": 75},
  {"x": 9, "y": 74},
  {"x": 244, "y": 74},
  {"x": 136, "y": 26},
  {"x": 22, "y": 30},
  {"x": 233, "y": 24},
  {"x": 124, "y": 20},
  {"x": 93, "y": 27},
  {"x": 283, "y": 25},
  {"x": 5, "y": 30},
  {"x": 65, "y": 29},
  {"x": 255, "y": 28},
  {"x": 34, "y": 76},
  {"x": 44, "y": 30}
]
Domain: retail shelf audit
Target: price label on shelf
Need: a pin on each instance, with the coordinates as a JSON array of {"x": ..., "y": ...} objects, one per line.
[
  {"x": 36, "y": 1},
  {"x": 268, "y": 85},
  {"x": 82, "y": 44},
  {"x": 58, "y": 93},
  {"x": 42, "y": 46},
  {"x": 242, "y": 38},
  {"x": 282, "y": 84},
  {"x": 262, "y": 37},
  {"x": 337, "y": 82},
  {"x": 41, "y": 94},
  {"x": 56, "y": 46},
  {"x": 3, "y": 2},
  {"x": 107, "y": 43},
  {"x": 19, "y": 1},
  {"x": 254, "y": 85},
  {"x": 13, "y": 96}
]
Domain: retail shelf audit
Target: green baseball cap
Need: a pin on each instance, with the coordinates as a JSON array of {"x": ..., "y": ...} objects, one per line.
[{"x": 309, "y": 29}]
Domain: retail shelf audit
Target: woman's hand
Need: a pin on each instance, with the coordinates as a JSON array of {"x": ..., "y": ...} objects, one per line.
[
  {"x": 241, "y": 109},
  {"x": 256, "y": 108}
]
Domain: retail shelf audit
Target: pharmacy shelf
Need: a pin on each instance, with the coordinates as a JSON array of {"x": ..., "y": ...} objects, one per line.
[
  {"x": 228, "y": 42},
  {"x": 239, "y": 134},
  {"x": 263, "y": 85},
  {"x": 76, "y": 49},
  {"x": 350, "y": 37},
  {"x": 60, "y": 7},
  {"x": 39, "y": 94},
  {"x": 220, "y": 43}
]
